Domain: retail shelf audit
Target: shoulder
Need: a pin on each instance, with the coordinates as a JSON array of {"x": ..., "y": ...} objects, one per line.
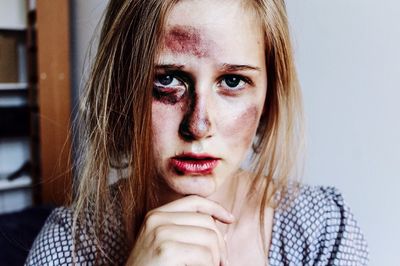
[
  {"x": 313, "y": 224},
  {"x": 56, "y": 244}
]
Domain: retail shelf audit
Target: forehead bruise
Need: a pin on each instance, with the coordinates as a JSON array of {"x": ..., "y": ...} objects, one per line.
[{"x": 187, "y": 40}]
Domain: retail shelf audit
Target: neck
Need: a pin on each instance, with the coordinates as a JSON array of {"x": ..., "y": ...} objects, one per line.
[{"x": 226, "y": 194}]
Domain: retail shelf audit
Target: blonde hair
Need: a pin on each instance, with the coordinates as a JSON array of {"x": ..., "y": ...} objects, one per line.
[{"x": 116, "y": 114}]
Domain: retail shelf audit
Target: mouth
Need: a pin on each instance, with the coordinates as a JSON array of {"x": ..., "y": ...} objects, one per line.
[{"x": 191, "y": 163}]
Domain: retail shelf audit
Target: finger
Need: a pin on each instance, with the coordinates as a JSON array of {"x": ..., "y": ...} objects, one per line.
[
  {"x": 196, "y": 235},
  {"x": 198, "y": 204},
  {"x": 157, "y": 219},
  {"x": 179, "y": 253}
]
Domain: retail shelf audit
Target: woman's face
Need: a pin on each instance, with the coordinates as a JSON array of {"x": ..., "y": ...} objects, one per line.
[{"x": 209, "y": 93}]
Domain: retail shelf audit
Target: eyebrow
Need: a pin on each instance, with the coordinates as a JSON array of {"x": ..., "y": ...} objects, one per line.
[
  {"x": 224, "y": 67},
  {"x": 230, "y": 67},
  {"x": 170, "y": 67}
]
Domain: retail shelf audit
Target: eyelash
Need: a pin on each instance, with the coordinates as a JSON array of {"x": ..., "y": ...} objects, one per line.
[
  {"x": 184, "y": 80},
  {"x": 241, "y": 78},
  {"x": 174, "y": 75}
]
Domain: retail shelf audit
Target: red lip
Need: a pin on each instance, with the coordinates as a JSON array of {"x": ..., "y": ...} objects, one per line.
[{"x": 191, "y": 163}]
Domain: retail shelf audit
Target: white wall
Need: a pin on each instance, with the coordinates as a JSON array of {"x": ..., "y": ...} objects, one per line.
[
  {"x": 348, "y": 60},
  {"x": 13, "y": 14},
  {"x": 85, "y": 16}
]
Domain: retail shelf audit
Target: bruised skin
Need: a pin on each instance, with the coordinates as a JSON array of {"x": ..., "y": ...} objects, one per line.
[
  {"x": 198, "y": 113},
  {"x": 231, "y": 128},
  {"x": 189, "y": 40},
  {"x": 238, "y": 122},
  {"x": 243, "y": 126},
  {"x": 185, "y": 39},
  {"x": 167, "y": 95},
  {"x": 202, "y": 115}
]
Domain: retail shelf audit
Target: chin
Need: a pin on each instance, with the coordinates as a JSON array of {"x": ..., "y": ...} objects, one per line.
[{"x": 203, "y": 186}]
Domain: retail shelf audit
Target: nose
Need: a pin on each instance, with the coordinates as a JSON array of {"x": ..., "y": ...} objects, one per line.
[{"x": 196, "y": 124}]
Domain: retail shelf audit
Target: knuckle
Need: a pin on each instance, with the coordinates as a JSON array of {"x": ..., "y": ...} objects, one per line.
[
  {"x": 212, "y": 236},
  {"x": 208, "y": 256},
  {"x": 210, "y": 233},
  {"x": 161, "y": 249},
  {"x": 151, "y": 219},
  {"x": 210, "y": 221},
  {"x": 165, "y": 249},
  {"x": 199, "y": 251},
  {"x": 159, "y": 233},
  {"x": 207, "y": 250}
]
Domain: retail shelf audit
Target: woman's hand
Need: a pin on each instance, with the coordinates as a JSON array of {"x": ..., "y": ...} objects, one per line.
[{"x": 182, "y": 232}]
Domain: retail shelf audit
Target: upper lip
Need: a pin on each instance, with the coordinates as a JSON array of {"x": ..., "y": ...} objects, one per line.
[{"x": 195, "y": 156}]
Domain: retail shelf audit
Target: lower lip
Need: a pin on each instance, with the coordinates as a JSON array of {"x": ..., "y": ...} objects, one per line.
[{"x": 201, "y": 167}]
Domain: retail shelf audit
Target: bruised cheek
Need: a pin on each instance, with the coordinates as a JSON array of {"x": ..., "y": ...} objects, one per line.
[
  {"x": 240, "y": 126},
  {"x": 164, "y": 125}
]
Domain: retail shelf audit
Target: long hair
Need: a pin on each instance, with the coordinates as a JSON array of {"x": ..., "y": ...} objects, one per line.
[
  {"x": 116, "y": 114},
  {"x": 279, "y": 144}
]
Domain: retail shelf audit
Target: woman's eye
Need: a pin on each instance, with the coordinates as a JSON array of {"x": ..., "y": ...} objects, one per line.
[
  {"x": 167, "y": 80},
  {"x": 233, "y": 82},
  {"x": 168, "y": 88}
]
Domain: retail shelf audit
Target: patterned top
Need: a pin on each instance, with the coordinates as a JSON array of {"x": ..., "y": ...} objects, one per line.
[{"x": 316, "y": 227}]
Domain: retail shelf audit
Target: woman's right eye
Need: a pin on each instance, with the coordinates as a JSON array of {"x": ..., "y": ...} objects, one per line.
[
  {"x": 167, "y": 80},
  {"x": 168, "y": 88}
]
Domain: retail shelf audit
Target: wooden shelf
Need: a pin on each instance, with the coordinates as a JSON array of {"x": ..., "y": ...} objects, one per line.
[
  {"x": 21, "y": 182},
  {"x": 16, "y": 115},
  {"x": 14, "y": 86}
]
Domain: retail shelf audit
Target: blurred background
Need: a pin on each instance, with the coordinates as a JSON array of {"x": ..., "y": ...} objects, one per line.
[{"x": 348, "y": 59}]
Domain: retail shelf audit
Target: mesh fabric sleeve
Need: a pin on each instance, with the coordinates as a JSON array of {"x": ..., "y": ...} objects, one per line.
[{"x": 317, "y": 228}]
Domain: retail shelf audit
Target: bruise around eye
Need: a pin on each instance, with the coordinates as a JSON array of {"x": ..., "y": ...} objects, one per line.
[{"x": 168, "y": 95}]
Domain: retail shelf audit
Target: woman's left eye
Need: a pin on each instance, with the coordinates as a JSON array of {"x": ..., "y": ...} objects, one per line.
[{"x": 233, "y": 82}]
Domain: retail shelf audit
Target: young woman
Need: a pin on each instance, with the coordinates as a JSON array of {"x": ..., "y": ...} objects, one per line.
[{"x": 181, "y": 93}]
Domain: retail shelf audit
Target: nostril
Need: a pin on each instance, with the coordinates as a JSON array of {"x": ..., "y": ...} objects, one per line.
[
  {"x": 195, "y": 128},
  {"x": 184, "y": 132}
]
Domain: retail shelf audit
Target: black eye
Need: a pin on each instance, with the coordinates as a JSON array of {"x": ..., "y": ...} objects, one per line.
[
  {"x": 165, "y": 79},
  {"x": 232, "y": 81}
]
